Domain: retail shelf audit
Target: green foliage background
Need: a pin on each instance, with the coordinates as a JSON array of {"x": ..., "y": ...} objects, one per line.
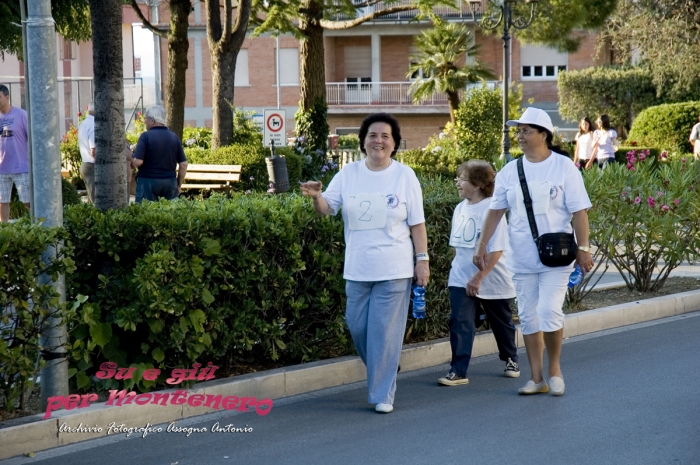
[
  {"x": 667, "y": 126},
  {"x": 620, "y": 93}
]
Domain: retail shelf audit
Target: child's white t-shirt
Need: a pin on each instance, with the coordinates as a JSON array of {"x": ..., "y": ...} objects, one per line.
[
  {"x": 557, "y": 190},
  {"x": 378, "y": 209},
  {"x": 467, "y": 221},
  {"x": 605, "y": 143},
  {"x": 584, "y": 142}
]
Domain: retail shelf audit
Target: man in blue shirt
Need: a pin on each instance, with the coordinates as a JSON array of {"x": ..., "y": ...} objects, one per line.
[{"x": 158, "y": 153}]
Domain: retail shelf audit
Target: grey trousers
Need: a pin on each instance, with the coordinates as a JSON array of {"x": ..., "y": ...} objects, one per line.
[
  {"x": 87, "y": 172},
  {"x": 376, "y": 317}
]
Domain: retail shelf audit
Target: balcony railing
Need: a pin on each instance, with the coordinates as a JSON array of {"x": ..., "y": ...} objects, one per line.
[
  {"x": 380, "y": 93},
  {"x": 462, "y": 10}
]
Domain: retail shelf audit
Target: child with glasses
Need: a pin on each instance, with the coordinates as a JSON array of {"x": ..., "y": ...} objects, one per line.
[{"x": 491, "y": 288}]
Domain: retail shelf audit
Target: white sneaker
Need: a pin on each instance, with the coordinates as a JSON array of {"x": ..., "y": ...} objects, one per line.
[{"x": 384, "y": 408}]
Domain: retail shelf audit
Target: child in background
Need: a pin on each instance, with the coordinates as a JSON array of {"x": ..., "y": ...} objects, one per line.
[
  {"x": 469, "y": 287},
  {"x": 584, "y": 143}
]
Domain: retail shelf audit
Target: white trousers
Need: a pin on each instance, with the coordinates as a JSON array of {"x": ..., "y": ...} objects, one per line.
[{"x": 540, "y": 299}]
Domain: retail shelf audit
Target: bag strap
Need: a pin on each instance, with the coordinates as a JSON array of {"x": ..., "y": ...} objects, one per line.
[{"x": 527, "y": 199}]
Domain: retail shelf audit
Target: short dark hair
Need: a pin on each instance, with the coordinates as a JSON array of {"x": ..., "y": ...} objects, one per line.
[
  {"x": 480, "y": 174},
  {"x": 380, "y": 118},
  {"x": 4, "y": 90}
]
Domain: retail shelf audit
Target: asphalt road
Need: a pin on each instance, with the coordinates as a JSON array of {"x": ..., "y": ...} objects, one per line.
[{"x": 631, "y": 398}]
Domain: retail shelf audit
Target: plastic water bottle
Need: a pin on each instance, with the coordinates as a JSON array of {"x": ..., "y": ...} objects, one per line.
[
  {"x": 575, "y": 276},
  {"x": 418, "y": 301}
]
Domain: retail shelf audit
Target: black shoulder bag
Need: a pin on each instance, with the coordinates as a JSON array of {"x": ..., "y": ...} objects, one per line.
[{"x": 555, "y": 249}]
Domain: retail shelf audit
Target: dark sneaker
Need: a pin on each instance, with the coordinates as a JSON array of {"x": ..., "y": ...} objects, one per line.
[
  {"x": 452, "y": 379},
  {"x": 512, "y": 370}
]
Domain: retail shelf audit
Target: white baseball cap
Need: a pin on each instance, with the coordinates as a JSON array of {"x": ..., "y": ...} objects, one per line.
[{"x": 534, "y": 116}]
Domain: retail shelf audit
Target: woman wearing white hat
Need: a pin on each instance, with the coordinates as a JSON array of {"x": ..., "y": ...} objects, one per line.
[{"x": 557, "y": 194}]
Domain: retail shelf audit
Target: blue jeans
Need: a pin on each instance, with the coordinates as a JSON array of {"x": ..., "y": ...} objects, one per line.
[
  {"x": 153, "y": 189},
  {"x": 463, "y": 328},
  {"x": 376, "y": 315}
]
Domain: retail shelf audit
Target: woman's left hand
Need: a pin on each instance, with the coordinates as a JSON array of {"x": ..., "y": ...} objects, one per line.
[
  {"x": 584, "y": 261},
  {"x": 422, "y": 273}
]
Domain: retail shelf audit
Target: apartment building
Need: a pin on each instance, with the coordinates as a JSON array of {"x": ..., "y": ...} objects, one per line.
[{"x": 366, "y": 71}]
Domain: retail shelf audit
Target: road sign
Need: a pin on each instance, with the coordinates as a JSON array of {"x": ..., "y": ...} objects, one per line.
[{"x": 275, "y": 128}]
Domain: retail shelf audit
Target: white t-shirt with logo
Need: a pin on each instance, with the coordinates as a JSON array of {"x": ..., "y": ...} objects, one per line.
[
  {"x": 464, "y": 235},
  {"x": 557, "y": 191},
  {"x": 378, "y": 209}
]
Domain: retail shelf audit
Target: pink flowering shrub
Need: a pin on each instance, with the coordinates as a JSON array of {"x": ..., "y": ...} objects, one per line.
[{"x": 644, "y": 213}]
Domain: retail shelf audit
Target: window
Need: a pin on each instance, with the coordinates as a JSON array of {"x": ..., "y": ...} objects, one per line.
[
  {"x": 542, "y": 63},
  {"x": 241, "y": 78},
  {"x": 358, "y": 62},
  {"x": 289, "y": 67},
  {"x": 352, "y": 83}
]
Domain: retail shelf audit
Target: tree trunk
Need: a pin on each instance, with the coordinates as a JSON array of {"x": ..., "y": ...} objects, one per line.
[
  {"x": 453, "y": 100},
  {"x": 178, "y": 46},
  {"x": 225, "y": 41},
  {"x": 223, "y": 70},
  {"x": 110, "y": 162},
  {"x": 312, "y": 77}
]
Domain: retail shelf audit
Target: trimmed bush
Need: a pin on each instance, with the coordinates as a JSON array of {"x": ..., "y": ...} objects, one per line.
[
  {"x": 27, "y": 306},
  {"x": 667, "y": 126},
  {"x": 598, "y": 90},
  {"x": 241, "y": 282},
  {"x": 196, "y": 137}
]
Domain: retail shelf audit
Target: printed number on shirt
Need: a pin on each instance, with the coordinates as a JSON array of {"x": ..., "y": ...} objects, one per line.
[
  {"x": 464, "y": 231},
  {"x": 366, "y": 211},
  {"x": 539, "y": 193}
]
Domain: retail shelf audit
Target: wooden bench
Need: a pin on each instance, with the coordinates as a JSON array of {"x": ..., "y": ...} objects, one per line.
[{"x": 220, "y": 176}]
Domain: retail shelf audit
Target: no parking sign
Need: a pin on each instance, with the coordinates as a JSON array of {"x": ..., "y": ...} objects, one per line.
[{"x": 274, "y": 128}]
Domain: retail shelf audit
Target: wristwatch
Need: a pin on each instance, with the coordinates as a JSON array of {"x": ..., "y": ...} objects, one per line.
[{"x": 584, "y": 248}]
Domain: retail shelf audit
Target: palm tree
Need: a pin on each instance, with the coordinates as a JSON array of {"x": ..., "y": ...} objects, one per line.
[{"x": 436, "y": 65}]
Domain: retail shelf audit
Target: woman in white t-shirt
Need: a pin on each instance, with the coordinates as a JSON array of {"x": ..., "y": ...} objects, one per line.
[
  {"x": 492, "y": 288},
  {"x": 604, "y": 143},
  {"x": 382, "y": 207},
  {"x": 584, "y": 143},
  {"x": 558, "y": 194}
]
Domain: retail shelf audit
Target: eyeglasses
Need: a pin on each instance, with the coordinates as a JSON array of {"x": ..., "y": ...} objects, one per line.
[{"x": 524, "y": 132}]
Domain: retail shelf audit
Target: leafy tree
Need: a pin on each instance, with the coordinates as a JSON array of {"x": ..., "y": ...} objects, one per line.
[
  {"x": 72, "y": 22},
  {"x": 178, "y": 45},
  {"x": 620, "y": 93},
  {"x": 665, "y": 35},
  {"x": 110, "y": 166},
  {"x": 306, "y": 20},
  {"x": 557, "y": 22},
  {"x": 225, "y": 41},
  {"x": 440, "y": 51}
]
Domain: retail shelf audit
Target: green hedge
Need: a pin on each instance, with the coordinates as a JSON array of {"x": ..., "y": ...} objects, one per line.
[
  {"x": 252, "y": 159},
  {"x": 27, "y": 305},
  {"x": 252, "y": 281},
  {"x": 667, "y": 126}
]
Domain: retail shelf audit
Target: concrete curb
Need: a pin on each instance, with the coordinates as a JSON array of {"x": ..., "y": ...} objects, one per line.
[{"x": 32, "y": 435}]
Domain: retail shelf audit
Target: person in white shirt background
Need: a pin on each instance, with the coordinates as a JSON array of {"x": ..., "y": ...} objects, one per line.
[
  {"x": 695, "y": 139},
  {"x": 558, "y": 194},
  {"x": 382, "y": 208},
  {"x": 86, "y": 143},
  {"x": 584, "y": 143},
  {"x": 604, "y": 143},
  {"x": 492, "y": 288}
]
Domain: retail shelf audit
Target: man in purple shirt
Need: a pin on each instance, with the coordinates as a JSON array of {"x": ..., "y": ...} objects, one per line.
[{"x": 14, "y": 150}]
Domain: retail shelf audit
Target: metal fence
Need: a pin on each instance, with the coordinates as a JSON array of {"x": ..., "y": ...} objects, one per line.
[
  {"x": 462, "y": 10},
  {"x": 75, "y": 93},
  {"x": 382, "y": 93}
]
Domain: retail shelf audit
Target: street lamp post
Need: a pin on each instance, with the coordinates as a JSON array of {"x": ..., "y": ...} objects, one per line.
[{"x": 503, "y": 14}]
